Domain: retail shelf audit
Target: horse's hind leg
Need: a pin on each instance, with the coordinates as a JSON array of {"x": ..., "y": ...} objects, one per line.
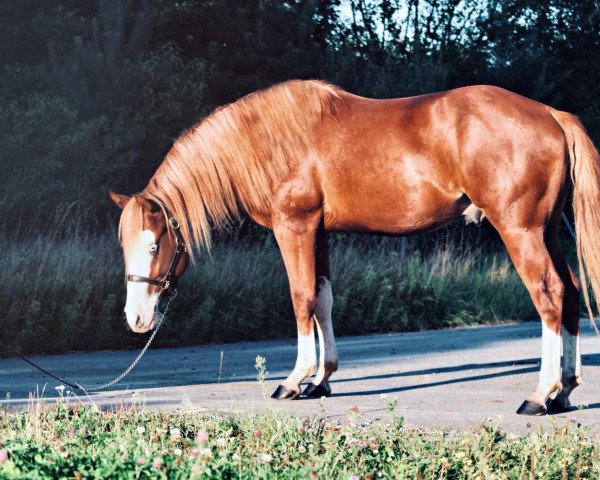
[
  {"x": 328, "y": 358},
  {"x": 536, "y": 268},
  {"x": 571, "y": 358}
]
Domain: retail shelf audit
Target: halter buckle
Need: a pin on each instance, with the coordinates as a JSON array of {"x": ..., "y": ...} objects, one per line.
[{"x": 174, "y": 223}]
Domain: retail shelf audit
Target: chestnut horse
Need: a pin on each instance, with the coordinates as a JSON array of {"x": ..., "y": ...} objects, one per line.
[{"x": 303, "y": 158}]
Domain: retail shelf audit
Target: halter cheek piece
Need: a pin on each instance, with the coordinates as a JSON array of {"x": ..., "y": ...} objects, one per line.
[{"x": 168, "y": 281}]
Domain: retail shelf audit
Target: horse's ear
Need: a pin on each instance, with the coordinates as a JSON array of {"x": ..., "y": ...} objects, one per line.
[
  {"x": 120, "y": 200},
  {"x": 147, "y": 205}
]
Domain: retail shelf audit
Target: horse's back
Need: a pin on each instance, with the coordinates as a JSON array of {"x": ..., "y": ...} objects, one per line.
[{"x": 412, "y": 164}]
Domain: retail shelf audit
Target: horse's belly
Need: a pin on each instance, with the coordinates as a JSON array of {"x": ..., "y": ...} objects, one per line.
[{"x": 394, "y": 209}]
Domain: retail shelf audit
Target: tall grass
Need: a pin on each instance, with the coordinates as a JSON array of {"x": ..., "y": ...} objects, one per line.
[{"x": 65, "y": 290}]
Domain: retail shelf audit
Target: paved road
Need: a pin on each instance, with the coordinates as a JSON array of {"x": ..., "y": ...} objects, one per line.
[{"x": 444, "y": 378}]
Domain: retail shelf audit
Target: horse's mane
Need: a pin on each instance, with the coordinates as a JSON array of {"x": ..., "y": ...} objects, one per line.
[{"x": 230, "y": 161}]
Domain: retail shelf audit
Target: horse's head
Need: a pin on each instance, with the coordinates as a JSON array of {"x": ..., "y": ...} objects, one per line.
[{"x": 155, "y": 257}]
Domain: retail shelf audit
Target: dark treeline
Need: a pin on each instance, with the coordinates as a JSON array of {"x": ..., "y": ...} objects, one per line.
[{"x": 92, "y": 94}]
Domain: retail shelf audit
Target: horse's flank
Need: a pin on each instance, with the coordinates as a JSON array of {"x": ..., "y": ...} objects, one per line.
[{"x": 231, "y": 161}]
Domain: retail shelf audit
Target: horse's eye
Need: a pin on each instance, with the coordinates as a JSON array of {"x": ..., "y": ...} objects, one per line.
[{"x": 153, "y": 249}]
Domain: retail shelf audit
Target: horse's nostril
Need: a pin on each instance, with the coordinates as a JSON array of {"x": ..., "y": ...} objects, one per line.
[{"x": 138, "y": 321}]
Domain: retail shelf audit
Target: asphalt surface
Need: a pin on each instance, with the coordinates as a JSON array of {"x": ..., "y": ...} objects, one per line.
[{"x": 444, "y": 379}]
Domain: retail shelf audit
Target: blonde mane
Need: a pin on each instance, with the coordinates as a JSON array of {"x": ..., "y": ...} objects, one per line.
[{"x": 231, "y": 161}]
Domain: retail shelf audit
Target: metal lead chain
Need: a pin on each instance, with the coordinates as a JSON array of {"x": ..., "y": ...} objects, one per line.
[{"x": 75, "y": 385}]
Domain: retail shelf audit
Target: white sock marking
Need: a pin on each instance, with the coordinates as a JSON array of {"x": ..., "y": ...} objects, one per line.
[
  {"x": 550, "y": 369},
  {"x": 328, "y": 357}
]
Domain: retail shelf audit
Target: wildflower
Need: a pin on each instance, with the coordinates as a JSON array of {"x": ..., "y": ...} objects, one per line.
[
  {"x": 310, "y": 431},
  {"x": 265, "y": 458},
  {"x": 66, "y": 454},
  {"x": 141, "y": 430},
  {"x": 221, "y": 442},
  {"x": 206, "y": 454},
  {"x": 194, "y": 452},
  {"x": 141, "y": 460},
  {"x": 157, "y": 463},
  {"x": 353, "y": 477},
  {"x": 83, "y": 431},
  {"x": 71, "y": 432},
  {"x": 3, "y": 456},
  {"x": 383, "y": 396},
  {"x": 373, "y": 443},
  {"x": 314, "y": 474},
  {"x": 147, "y": 451},
  {"x": 177, "y": 452},
  {"x": 301, "y": 429},
  {"x": 124, "y": 456},
  {"x": 257, "y": 433},
  {"x": 60, "y": 389},
  {"x": 302, "y": 449},
  {"x": 175, "y": 433},
  {"x": 202, "y": 437}
]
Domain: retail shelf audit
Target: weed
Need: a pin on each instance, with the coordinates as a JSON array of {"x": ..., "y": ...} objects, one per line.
[{"x": 70, "y": 440}]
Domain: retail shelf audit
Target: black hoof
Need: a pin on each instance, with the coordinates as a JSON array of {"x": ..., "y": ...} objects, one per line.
[
  {"x": 531, "y": 408},
  {"x": 284, "y": 393},
  {"x": 317, "y": 391}
]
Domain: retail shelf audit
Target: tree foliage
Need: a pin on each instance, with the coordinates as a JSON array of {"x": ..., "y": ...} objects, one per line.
[{"x": 92, "y": 94}]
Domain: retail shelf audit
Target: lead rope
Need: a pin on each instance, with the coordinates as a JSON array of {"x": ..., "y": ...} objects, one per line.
[{"x": 76, "y": 386}]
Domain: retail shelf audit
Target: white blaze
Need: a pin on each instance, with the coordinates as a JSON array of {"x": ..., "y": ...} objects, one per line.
[{"x": 140, "y": 304}]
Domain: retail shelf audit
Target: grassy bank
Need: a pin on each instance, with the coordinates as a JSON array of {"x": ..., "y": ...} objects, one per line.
[
  {"x": 85, "y": 442},
  {"x": 65, "y": 290}
]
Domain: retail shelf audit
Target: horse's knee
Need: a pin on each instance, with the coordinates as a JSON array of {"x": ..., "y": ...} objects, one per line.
[{"x": 304, "y": 307}]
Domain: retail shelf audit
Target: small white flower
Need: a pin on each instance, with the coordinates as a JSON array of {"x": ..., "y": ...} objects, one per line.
[
  {"x": 383, "y": 396},
  {"x": 175, "y": 433},
  {"x": 265, "y": 458},
  {"x": 141, "y": 430},
  {"x": 60, "y": 389},
  {"x": 221, "y": 442},
  {"x": 206, "y": 452},
  {"x": 177, "y": 452}
]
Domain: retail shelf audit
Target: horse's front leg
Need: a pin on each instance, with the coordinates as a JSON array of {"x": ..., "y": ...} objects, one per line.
[{"x": 297, "y": 241}]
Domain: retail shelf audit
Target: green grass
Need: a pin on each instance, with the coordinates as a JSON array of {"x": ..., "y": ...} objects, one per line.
[
  {"x": 74, "y": 441},
  {"x": 65, "y": 290}
]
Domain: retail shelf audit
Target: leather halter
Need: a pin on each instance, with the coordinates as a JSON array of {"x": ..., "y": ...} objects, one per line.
[{"x": 168, "y": 281}]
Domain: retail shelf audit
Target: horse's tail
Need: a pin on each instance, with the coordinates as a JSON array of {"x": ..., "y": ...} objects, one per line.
[{"x": 585, "y": 175}]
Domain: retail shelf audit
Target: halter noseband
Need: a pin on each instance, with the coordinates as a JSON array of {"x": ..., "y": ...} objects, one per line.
[{"x": 168, "y": 281}]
